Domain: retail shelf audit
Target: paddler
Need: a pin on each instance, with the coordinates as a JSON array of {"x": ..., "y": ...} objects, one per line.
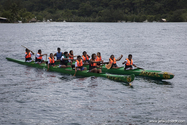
[
  {"x": 58, "y": 54},
  {"x": 28, "y": 55},
  {"x": 85, "y": 57},
  {"x": 39, "y": 57},
  {"x": 71, "y": 56},
  {"x": 93, "y": 65},
  {"x": 79, "y": 65},
  {"x": 64, "y": 60},
  {"x": 112, "y": 61},
  {"x": 51, "y": 60},
  {"x": 98, "y": 58},
  {"x": 129, "y": 63}
]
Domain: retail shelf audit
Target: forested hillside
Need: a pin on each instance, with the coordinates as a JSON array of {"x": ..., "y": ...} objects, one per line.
[{"x": 94, "y": 10}]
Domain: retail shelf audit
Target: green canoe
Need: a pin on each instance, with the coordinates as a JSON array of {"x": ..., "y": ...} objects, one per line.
[
  {"x": 153, "y": 74},
  {"x": 120, "y": 78}
]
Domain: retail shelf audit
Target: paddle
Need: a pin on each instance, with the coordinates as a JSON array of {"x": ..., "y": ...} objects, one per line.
[
  {"x": 139, "y": 68},
  {"x": 27, "y": 48},
  {"x": 108, "y": 66}
]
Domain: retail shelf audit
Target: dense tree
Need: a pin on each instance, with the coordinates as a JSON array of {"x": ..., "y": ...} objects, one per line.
[{"x": 94, "y": 10}]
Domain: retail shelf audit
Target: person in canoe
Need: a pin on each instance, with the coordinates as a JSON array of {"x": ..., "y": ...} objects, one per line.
[
  {"x": 64, "y": 60},
  {"x": 39, "y": 56},
  {"x": 79, "y": 65},
  {"x": 28, "y": 55},
  {"x": 93, "y": 65},
  {"x": 58, "y": 54},
  {"x": 129, "y": 63},
  {"x": 98, "y": 58},
  {"x": 51, "y": 60},
  {"x": 85, "y": 57},
  {"x": 112, "y": 61},
  {"x": 71, "y": 56}
]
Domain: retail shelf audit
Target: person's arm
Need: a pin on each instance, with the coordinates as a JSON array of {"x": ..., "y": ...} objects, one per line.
[
  {"x": 124, "y": 62},
  {"x": 32, "y": 52},
  {"x": 55, "y": 54},
  {"x": 118, "y": 59},
  {"x": 75, "y": 68},
  {"x": 43, "y": 55},
  {"x": 134, "y": 65}
]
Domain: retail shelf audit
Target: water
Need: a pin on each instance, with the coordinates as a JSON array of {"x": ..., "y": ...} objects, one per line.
[{"x": 30, "y": 96}]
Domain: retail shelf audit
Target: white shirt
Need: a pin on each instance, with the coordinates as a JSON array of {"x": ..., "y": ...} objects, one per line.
[{"x": 38, "y": 55}]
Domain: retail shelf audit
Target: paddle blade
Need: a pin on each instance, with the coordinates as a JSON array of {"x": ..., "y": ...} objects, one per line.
[{"x": 108, "y": 66}]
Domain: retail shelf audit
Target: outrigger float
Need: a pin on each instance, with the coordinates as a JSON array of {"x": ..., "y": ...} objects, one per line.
[
  {"x": 120, "y": 78},
  {"x": 153, "y": 74}
]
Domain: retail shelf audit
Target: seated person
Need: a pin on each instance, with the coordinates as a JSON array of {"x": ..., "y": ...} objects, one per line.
[
  {"x": 98, "y": 58},
  {"x": 79, "y": 65},
  {"x": 28, "y": 55},
  {"x": 85, "y": 58},
  {"x": 93, "y": 65},
  {"x": 112, "y": 61},
  {"x": 64, "y": 60},
  {"x": 71, "y": 56},
  {"x": 58, "y": 54},
  {"x": 39, "y": 57},
  {"x": 129, "y": 63},
  {"x": 51, "y": 60}
]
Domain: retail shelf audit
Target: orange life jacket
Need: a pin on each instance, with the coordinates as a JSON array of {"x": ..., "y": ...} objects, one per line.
[
  {"x": 111, "y": 61},
  {"x": 40, "y": 57},
  {"x": 85, "y": 58},
  {"x": 93, "y": 64},
  {"x": 98, "y": 58},
  {"x": 79, "y": 64},
  {"x": 129, "y": 63},
  {"x": 28, "y": 55},
  {"x": 51, "y": 60},
  {"x": 70, "y": 56}
]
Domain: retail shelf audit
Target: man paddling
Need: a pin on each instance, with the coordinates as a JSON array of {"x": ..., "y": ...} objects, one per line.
[
  {"x": 79, "y": 65},
  {"x": 58, "y": 54},
  {"x": 64, "y": 60},
  {"x": 39, "y": 57},
  {"x": 93, "y": 65},
  {"x": 129, "y": 63},
  {"x": 28, "y": 55},
  {"x": 112, "y": 61}
]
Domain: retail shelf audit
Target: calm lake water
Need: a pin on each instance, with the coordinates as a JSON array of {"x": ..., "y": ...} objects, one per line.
[{"x": 30, "y": 96}]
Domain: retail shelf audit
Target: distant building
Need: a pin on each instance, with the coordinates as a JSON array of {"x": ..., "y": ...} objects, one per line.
[
  {"x": 33, "y": 20},
  {"x": 3, "y": 20}
]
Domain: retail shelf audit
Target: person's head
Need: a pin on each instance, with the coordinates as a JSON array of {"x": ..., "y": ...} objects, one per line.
[
  {"x": 39, "y": 51},
  {"x": 130, "y": 56},
  {"x": 71, "y": 52},
  {"x": 26, "y": 50},
  {"x": 84, "y": 53},
  {"x": 51, "y": 55},
  {"x": 58, "y": 49},
  {"x": 79, "y": 58},
  {"x": 98, "y": 54},
  {"x": 93, "y": 56},
  {"x": 112, "y": 56},
  {"x": 66, "y": 54}
]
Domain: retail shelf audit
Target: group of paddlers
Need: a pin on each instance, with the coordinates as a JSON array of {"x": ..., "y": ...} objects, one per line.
[{"x": 64, "y": 58}]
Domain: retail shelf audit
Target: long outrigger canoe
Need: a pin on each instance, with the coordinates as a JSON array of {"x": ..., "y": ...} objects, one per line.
[{"x": 120, "y": 78}]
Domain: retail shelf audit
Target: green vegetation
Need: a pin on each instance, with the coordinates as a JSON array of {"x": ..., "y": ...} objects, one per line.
[{"x": 94, "y": 10}]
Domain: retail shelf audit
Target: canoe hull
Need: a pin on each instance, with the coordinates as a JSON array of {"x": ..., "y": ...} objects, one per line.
[{"x": 120, "y": 78}]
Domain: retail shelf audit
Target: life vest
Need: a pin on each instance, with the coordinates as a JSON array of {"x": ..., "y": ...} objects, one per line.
[
  {"x": 79, "y": 64},
  {"x": 70, "y": 56},
  {"x": 113, "y": 61},
  {"x": 85, "y": 58},
  {"x": 28, "y": 55},
  {"x": 40, "y": 57},
  {"x": 129, "y": 63},
  {"x": 51, "y": 60},
  {"x": 98, "y": 58},
  {"x": 93, "y": 64}
]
